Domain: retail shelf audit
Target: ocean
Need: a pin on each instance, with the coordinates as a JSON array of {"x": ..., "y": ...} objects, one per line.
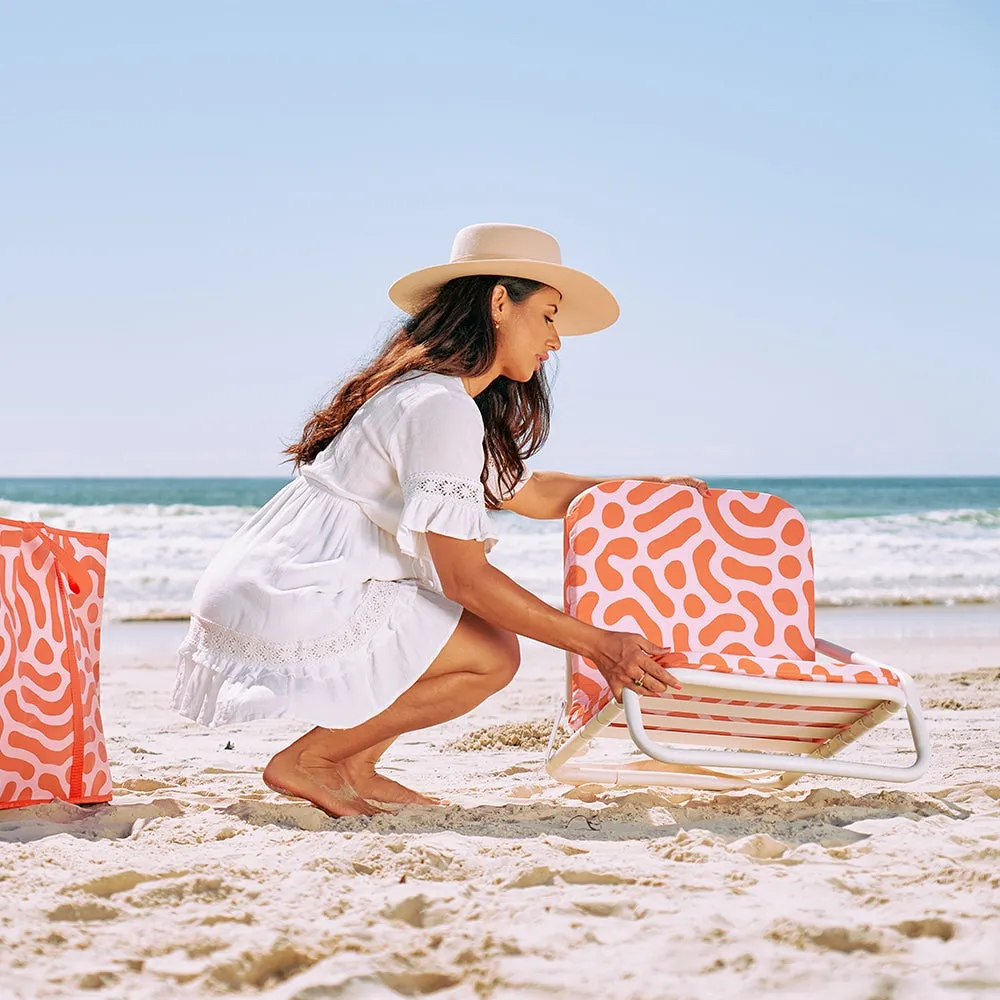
[{"x": 877, "y": 541}]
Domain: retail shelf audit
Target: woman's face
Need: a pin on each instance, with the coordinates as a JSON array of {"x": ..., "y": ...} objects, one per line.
[{"x": 526, "y": 331}]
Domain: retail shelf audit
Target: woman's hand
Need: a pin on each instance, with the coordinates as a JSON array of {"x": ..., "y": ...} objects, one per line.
[
  {"x": 624, "y": 658},
  {"x": 693, "y": 481}
]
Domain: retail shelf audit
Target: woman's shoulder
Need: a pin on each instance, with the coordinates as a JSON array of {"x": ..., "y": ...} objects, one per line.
[
  {"x": 420, "y": 402},
  {"x": 431, "y": 392}
]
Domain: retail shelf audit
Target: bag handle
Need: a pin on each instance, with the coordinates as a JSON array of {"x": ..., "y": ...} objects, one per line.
[{"x": 75, "y": 573}]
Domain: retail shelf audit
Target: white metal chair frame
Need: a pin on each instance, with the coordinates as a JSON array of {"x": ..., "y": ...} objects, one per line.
[{"x": 696, "y": 767}]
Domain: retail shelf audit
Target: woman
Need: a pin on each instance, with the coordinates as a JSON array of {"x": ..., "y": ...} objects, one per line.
[{"x": 359, "y": 598}]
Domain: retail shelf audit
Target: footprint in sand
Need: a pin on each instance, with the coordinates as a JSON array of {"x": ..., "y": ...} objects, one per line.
[
  {"x": 543, "y": 875},
  {"x": 606, "y": 908},
  {"x": 409, "y": 984},
  {"x": 287, "y": 813},
  {"x": 378, "y": 986},
  {"x": 419, "y": 911},
  {"x": 842, "y": 939},
  {"x": 83, "y": 912},
  {"x": 173, "y": 892},
  {"x": 107, "y": 885},
  {"x": 142, "y": 785},
  {"x": 258, "y": 969},
  {"x": 944, "y": 930}
]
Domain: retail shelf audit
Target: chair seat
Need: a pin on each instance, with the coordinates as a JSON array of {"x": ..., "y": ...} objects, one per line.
[
  {"x": 785, "y": 669},
  {"x": 590, "y": 697}
]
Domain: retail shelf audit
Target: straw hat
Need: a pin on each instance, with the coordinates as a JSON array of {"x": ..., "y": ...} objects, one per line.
[{"x": 520, "y": 252}]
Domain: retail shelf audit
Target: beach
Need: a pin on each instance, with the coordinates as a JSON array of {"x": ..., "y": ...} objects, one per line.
[
  {"x": 260, "y": 338},
  {"x": 197, "y": 880}
]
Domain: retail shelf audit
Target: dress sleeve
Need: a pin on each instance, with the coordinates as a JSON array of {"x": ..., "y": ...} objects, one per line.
[{"x": 437, "y": 451}]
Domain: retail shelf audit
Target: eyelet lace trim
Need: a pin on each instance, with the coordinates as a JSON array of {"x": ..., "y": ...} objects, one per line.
[
  {"x": 439, "y": 486},
  {"x": 369, "y": 616}
]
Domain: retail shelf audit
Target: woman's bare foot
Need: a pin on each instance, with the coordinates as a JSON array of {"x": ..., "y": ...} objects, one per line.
[
  {"x": 324, "y": 783},
  {"x": 375, "y": 787}
]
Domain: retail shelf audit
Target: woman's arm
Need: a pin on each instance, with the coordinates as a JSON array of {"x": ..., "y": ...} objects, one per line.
[
  {"x": 547, "y": 495},
  {"x": 468, "y": 579}
]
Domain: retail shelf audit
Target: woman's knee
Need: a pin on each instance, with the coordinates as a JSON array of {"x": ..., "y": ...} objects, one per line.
[
  {"x": 507, "y": 658},
  {"x": 481, "y": 648}
]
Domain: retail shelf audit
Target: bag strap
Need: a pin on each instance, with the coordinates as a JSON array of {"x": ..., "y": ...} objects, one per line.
[{"x": 75, "y": 573}]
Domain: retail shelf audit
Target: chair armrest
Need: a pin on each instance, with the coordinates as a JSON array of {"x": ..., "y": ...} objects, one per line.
[{"x": 831, "y": 649}]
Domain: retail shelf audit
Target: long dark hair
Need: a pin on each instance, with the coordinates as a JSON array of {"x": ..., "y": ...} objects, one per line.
[{"x": 452, "y": 335}]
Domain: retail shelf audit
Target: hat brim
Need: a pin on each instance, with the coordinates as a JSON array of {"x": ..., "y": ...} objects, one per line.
[{"x": 586, "y": 305}]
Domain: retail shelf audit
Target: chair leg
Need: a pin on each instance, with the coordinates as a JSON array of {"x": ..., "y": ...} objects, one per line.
[{"x": 555, "y": 729}]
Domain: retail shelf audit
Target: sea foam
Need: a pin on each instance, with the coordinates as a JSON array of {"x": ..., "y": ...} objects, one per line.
[{"x": 157, "y": 553}]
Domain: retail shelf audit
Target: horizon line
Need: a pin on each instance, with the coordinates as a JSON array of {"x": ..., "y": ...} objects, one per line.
[{"x": 745, "y": 475}]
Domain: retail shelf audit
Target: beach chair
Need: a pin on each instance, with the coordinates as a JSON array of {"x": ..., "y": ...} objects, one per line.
[{"x": 726, "y": 581}]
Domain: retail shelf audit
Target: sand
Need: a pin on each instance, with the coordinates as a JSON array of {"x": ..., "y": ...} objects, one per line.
[{"x": 198, "y": 881}]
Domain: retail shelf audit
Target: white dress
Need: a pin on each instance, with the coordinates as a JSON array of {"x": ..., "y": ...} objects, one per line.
[{"x": 325, "y": 605}]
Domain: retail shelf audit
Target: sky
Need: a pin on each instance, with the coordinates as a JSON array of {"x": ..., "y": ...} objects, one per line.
[{"x": 797, "y": 205}]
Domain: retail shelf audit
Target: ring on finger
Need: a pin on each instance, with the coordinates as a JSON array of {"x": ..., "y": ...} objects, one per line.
[{"x": 639, "y": 681}]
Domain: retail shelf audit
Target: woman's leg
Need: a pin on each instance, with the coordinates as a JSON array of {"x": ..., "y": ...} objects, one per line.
[{"x": 324, "y": 764}]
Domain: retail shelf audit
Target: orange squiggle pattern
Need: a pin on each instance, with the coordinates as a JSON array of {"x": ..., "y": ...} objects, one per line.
[
  {"x": 764, "y": 632},
  {"x": 663, "y": 511},
  {"x": 762, "y": 518},
  {"x": 730, "y": 536},
  {"x": 643, "y": 578},
  {"x": 715, "y": 588},
  {"x": 622, "y": 548},
  {"x": 719, "y": 625},
  {"x": 629, "y": 607},
  {"x": 737, "y": 570},
  {"x": 724, "y": 580},
  {"x": 674, "y": 539},
  {"x": 613, "y": 515}
]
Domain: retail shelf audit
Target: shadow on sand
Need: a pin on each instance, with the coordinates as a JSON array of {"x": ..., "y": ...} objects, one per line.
[
  {"x": 822, "y": 816},
  {"x": 105, "y": 821},
  {"x": 818, "y": 816}
]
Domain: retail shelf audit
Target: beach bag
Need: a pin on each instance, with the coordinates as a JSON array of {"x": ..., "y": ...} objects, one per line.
[{"x": 51, "y": 595}]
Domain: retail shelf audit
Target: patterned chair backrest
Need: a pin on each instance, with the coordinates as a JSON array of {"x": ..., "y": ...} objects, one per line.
[
  {"x": 727, "y": 573},
  {"x": 51, "y": 734}
]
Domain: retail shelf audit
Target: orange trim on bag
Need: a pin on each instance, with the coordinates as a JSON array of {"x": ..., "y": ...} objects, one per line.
[{"x": 76, "y": 767}]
